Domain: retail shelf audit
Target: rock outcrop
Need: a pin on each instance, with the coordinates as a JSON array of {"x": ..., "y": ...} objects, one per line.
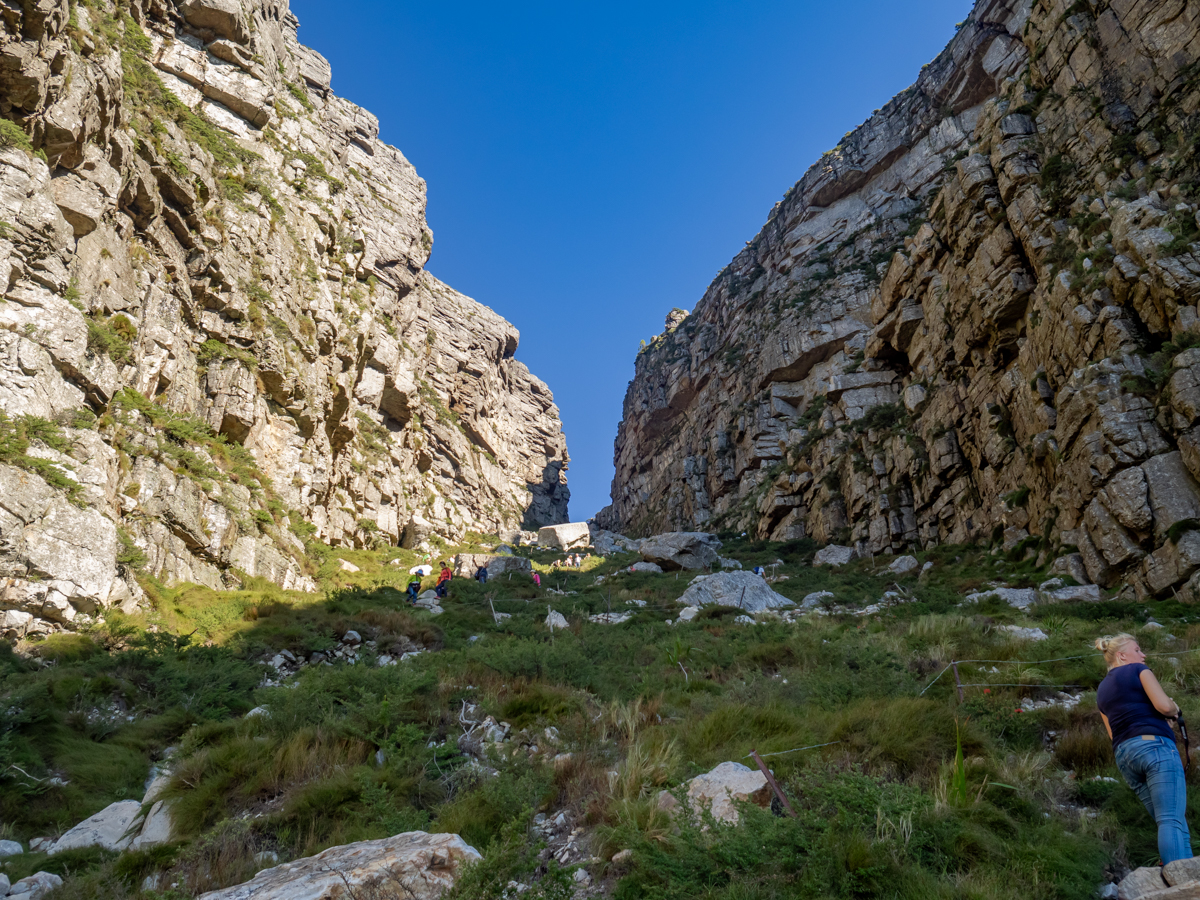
[
  {"x": 975, "y": 319},
  {"x": 217, "y": 335},
  {"x": 415, "y": 865}
]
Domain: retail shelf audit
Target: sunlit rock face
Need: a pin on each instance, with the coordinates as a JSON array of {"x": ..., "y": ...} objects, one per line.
[
  {"x": 210, "y": 253},
  {"x": 969, "y": 321}
]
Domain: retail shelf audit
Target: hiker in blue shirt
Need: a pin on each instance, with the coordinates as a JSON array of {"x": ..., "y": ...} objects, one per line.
[{"x": 1137, "y": 713}]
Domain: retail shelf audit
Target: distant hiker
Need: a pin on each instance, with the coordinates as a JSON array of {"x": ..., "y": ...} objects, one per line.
[
  {"x": 443, "y": 582},
  {"x": 1136, "y": 713},
  {"x": 537, "y": 579},
  {"x": 414, "y": 587},
  {"x": 760, "y": 571},
  {"x": 481, "y": 574}
]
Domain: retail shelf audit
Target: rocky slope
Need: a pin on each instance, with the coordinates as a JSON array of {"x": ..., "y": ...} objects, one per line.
[
  {"x": 217, "y": 337},
  {"x": 972, "y": 320}
]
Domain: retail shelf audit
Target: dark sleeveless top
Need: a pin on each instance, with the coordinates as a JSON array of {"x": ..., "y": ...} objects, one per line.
[{"x": 1124, "y": 703}]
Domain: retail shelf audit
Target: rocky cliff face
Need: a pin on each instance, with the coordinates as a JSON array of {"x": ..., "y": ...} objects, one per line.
[
  {"x": 217, "y": 337},
  {"x": 973, "y": 320}
]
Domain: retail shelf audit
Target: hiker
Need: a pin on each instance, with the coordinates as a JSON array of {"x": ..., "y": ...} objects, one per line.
[
  {"x": 760, "y": 571},
  {"x": 1136, "y": 713},
  {"x": 481, "y": 574},
  {"x": 443, "y": 582},
  {"x": 414, "y": 587},
  {"x": 537, "y": 579}
]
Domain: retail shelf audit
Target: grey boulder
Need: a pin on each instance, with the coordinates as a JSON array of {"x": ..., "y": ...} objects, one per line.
[
  {"x": 743, "y": 590},
  {"x": 681, "y": 550},
  {"x": 834, "y": 556},
  {"x": 904, "y": 565}
]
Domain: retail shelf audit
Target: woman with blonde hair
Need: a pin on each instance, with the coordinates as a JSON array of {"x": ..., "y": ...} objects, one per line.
[{"x": 1136, "y": 710}]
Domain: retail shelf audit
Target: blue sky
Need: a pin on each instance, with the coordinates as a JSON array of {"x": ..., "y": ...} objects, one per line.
[{"x": 591, "y": 166}]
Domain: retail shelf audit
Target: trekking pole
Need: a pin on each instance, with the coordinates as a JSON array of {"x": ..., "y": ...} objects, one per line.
[
  {"x": 771, "y": 781},
  {"x": 1187, "y": 750},
  {"x": 957, "y": 681}
]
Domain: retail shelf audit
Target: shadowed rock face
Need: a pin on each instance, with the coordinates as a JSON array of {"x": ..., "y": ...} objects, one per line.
[
  {"x": 968, "y": 321},
  {"x": 214, "y": 229}
]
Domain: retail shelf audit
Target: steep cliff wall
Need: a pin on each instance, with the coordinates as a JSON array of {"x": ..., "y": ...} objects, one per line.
[
  {"x": 970, "y": 321},
  {"x": 217, "y": 337}
]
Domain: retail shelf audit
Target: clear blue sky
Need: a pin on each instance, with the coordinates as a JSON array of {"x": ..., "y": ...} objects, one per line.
[{"x": 591, "y": 166}]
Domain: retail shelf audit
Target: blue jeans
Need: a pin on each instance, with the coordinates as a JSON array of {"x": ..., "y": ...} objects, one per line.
[{"x": 1153, "y": 769}]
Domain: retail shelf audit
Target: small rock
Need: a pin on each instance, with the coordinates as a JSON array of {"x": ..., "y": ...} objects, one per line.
[
  {"x": 352, "y": 637},
  {"x": 643, "y": 566},
  {"x": 266, "y": 858},
  {"x": 904, "y": 565},
  {"x": 10, "y": 848},
  {"x": 688, "y": 613},
  {"x": 1025, "y": 634},
  {"x": 1018, "y": 598},
  {"x": 348, "y": 566},
  {"x": 35, "y": 886},
  {"x": 622, "y": 856},
  {"x": 925, "y": 571},
  {"x": 258, "y": 711},
  {"x": 1151, "y": 625},
  {"x": 581, "y": 876},
  {"x": 743, "y": 620},
  {"x": 556, "y": 620},
  {"x": 1108, "y": 892}
]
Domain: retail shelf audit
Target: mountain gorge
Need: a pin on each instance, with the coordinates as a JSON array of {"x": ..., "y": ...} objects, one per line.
[
  {"x": 218, "y": 339},
  {"x": 973, "y": 320}
]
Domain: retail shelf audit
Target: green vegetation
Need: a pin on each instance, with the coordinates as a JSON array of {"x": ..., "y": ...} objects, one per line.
[
  {"x": 918, "y": 798},
  {"x": 13, "y": 135},
  {"x": 113, "y": 337},
  {"x": 19, "y": 434},
  {"x": 179, "y": 437},
  {"x": 213, "y": 350}
]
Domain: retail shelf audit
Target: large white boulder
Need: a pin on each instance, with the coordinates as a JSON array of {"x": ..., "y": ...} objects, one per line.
[
  {"x": 719, "y": 789},
  {"x": 904, "y": 565},
  {"x": 745, "y": 590},
  {"x": 681, "y": 550},
  {"x": 108, "y": 828},
  {"x": 567, "y": 536},
  {"x": 413, "y": 865}
]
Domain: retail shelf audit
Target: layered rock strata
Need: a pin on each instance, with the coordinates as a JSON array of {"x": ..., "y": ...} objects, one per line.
[
  {"x": 217, "y": 336},
  {"x": 973, "y": 320}
]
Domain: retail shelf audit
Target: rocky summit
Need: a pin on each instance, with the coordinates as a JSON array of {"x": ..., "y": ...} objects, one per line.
[
  {"x": 972, "y": 320},
  {"x": 218, "y": 340}
]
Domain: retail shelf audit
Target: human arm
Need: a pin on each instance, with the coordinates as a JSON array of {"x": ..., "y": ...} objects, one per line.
[
  {"x": 1157, "y": 695},
  {"x": 1107, "y": 727}
]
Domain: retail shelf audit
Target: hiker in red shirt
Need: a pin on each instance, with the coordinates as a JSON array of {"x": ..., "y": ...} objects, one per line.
[{"x": 443, "y": 582}]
